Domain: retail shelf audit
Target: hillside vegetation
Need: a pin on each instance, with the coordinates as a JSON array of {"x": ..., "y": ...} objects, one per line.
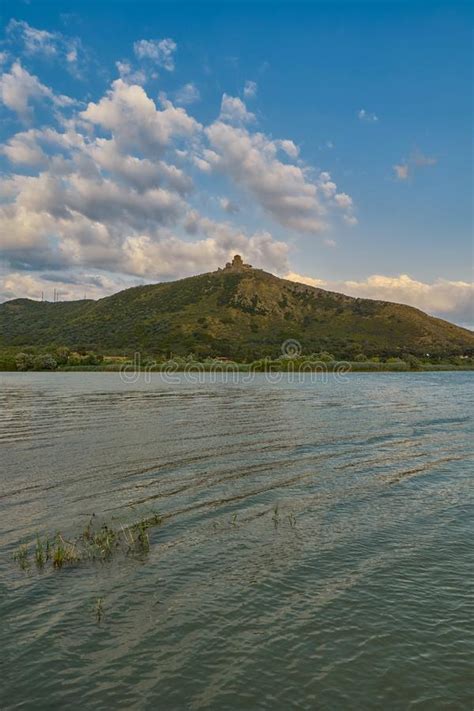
[{"x": 241, "y": 314}]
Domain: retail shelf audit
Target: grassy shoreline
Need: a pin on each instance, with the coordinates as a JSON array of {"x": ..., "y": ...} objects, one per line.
[
  {"x": 62, "y": 359},
  {"x": 196, "y": 368}
]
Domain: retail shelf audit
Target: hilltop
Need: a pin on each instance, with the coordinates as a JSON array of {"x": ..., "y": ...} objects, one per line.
[{"x": 238, "y": 312}]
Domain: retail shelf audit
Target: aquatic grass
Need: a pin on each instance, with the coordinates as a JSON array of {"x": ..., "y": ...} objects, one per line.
[
  {"x": 64, "y": 553},
  {"x": 276, "y": 515},
  {"x": 21, "y": 557},
  {"x": 97, "y": 542},
  {"x": 103, "y": 542},
  {"x": 99, "y": 609},
  {"x": 142, "y": 540},
  {"x": 40, "y": 553}
]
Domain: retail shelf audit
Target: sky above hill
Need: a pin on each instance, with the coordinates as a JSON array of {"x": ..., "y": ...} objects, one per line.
[{"x": 328, "y": 142}]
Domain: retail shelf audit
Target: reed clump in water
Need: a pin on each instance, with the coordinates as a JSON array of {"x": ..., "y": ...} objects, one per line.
[
  {"x": 97, "y": 542},
  {"x": 99, "y": 610},
  {"x": 276, "y": 515},
  {"x": 22, "y": 557}
]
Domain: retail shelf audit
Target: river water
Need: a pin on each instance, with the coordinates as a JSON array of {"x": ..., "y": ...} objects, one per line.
[{"x": 316, "y": 549}]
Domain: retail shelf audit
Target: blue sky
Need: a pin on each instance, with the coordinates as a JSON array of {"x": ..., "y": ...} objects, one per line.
[{"x": 325, "y": 141}]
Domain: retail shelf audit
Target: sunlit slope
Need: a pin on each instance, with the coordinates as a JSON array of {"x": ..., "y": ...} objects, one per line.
[{"x": 238, "y": 314}]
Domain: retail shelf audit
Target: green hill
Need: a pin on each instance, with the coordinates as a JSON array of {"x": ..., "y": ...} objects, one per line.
[{"x": 237, "y": 312}]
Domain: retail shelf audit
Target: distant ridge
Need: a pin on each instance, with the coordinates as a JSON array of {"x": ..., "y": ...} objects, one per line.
[{"x": 237, "y": 312}]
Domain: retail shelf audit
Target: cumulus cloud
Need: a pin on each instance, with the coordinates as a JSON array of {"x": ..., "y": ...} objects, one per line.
[
  {"x": 129, "y": 74},
  {"x": 350, "y": 220},
  {"x": 302, "y": 279},
  {"x": 188, "y": 94},
  {"x": 229, "y": 206},
  {"x": 53, "y": 45},
  {"x": 451, "y": 300},
  {"x": 161, "y": 52},
  {"x": 416, "y": 160},
  {"x": 401, "y": 171},
  {"x": 442, "y": 297},
  {"x": 95, "y": 205},
  {"x": 68, "y": 286},
  {"x": 35, "y": 41},
  {"x": 171, "y": 257},
  {"x": 92, "y": 193},
  {"x": 284, "y": 191},
  {"x": 129, "y": 113},
  {"x": 343, "y": 200},
  {"x": 110, "y": 187},
  {"x": 139, "y": 173},
  {"x": 288, "y": 147},
  {"x": 18, "y": 88},
  {"x": 96, "y": 198},
  {"x": 234, "y": 110},
  {"x": 23, "y": 149},
  {"x": 367, "y": 116},
  {"x": 250, "y": 89}
]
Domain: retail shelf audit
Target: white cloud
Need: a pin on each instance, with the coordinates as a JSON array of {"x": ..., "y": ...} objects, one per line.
[
  {"x": 111, "y": 188},
  {"x": 350, "y": 220},
  {"x": 367, "y": 116},
  {"x": 22, "y": 148},
  {"x": 301, "y": 279},
  {"x": 416, "y": 160},
  {"x": 139, "y": 173},
  {"x": 250, "y": 89},
  {"x": 161, "y": 52},
  {"x": 451, "y": 300},
  {"x": 132, "y": 117},
  {"x": 68, "y": 285},
  {"x": 35, "y": 41},
  {"x": 234, "y": 110},
  {"x": 129, "y": 74},
  {"x": 229, "y": 206},
  {"x": 327, "y": 186},
  {"x": 96, "y": 198},
  {"x": 53, "y": 45},
  {"x": 172, "y": 257},
  {"x": 442, "y": 297},
  {"x": 401, "y": 171},
  {"x": 188, "y": 94},
  {"x": 18, "y": 88},
  {"x": 290, "y": 148},
  {"x": 97, "y": 205},
  {"x": 203, "y": 165},
  {"x": 343, "y": 200},
  {"x": 284, "y": 191}
]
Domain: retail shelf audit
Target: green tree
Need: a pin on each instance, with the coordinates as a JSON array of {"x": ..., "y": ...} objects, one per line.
[
  {"x": 62, "y": 355},
  {"x": 25, "y": 361},
  {"x": 412, "y": 361},
  {"x": 45, "y": 362}
]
